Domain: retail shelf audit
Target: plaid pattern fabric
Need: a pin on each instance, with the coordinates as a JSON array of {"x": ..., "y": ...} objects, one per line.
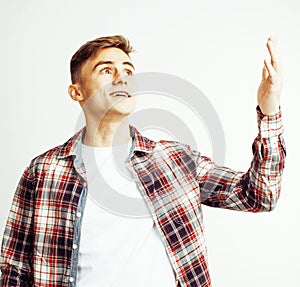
[{"x": 174, "y": 180}]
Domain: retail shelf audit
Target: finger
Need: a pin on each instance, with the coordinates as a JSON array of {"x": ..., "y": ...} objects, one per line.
[
  {"x": 265, "y": 73},
  {"x": 272, "y": 47},
  {"x": 274, "y": 40},
  {"x": 270, "y": 69}
]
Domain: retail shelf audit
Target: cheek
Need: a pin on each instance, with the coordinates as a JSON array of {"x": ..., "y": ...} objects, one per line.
[
  {"x": 97, "y": 83},
  {"x": 101, "y": 85},
  {"x": 93, "y": 87},
  {"x": 131, "y": 83},
  {"x": 105, "y": 83}
]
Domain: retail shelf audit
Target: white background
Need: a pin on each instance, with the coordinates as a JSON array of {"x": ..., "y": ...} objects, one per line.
[{"x": 217, "y": 46}]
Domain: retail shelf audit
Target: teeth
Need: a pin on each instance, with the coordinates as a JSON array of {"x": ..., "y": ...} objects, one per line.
[{"x": 124, "y": 95}]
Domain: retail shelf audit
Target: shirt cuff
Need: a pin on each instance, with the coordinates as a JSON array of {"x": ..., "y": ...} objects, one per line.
[{"x": 269, "y": 126}]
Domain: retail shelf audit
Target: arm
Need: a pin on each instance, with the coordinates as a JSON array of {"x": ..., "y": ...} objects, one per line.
[
  {"x": 15, "y": 259},
  {"x": 257, "y": 189}
]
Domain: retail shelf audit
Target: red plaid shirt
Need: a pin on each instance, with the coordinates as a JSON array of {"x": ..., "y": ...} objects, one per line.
[{"x": 175, "y": 180}]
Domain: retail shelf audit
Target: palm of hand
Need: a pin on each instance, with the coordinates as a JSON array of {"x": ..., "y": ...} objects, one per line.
[{"x": 269, "y": 91}]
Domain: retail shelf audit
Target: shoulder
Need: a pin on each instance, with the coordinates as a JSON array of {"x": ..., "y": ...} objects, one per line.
[
  {"x": 60, "y": 152},
  {"x": 168, "y": 146},
  {"x": 47, "y": 156},
  {"x": 172, "y": 145}
]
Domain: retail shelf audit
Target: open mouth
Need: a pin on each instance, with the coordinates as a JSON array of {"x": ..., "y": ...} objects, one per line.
[{"x": 120, "y": 94}]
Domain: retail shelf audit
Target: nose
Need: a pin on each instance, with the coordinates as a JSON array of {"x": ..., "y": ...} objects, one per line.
[{"x": 119, "y": 80}]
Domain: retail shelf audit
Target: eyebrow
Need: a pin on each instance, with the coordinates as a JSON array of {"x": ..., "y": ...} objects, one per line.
[{"x": 111, "y": 63}]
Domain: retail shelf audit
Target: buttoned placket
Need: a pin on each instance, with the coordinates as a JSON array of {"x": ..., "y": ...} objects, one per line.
[
  {"x": 76, "y": 238},
  {"x": 80, "y": 169}
]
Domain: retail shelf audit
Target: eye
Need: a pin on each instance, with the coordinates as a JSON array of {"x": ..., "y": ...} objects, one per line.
[
  {"x": 128, "y": 73},
  {"x": 105, "y": 71}
]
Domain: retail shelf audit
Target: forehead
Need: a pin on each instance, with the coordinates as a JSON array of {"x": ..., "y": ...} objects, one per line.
[{"x": 110, "y": 54}]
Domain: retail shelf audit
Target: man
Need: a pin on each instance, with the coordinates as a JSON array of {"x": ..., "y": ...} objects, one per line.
[{"x": 57, "y": 235}]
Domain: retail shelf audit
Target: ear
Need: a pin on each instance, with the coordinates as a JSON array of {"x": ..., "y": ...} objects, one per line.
[{"x": 75, "y": 93}]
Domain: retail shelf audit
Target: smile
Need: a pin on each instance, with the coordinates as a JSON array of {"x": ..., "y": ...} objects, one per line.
[{"x": 123, "y": 94}]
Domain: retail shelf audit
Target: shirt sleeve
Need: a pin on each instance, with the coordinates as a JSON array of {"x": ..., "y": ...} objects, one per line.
[
  {"x": 17, "y": 241},
  {"x": 256, "y": 190}
]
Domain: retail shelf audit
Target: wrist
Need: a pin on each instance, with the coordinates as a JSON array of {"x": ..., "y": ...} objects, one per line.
[{"x": 269, "y": 112}]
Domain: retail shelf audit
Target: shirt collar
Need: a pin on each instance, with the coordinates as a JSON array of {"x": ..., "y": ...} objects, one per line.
[
  {"x": 74, "y": 144},
  {"x": 141, "y": 143}
]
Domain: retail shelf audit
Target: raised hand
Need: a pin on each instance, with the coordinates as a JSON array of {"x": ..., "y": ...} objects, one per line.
[{"x": 269, "y": 91}]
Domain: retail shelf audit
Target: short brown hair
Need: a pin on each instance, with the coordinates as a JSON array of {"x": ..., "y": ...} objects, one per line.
[{"x": 90, "y": 49}]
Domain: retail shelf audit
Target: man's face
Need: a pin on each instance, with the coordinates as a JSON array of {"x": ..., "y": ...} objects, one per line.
[{"x": 107, "y": 84}]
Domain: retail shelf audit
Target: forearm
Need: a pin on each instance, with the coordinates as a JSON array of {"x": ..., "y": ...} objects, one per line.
[
  {"x": 17, "y": 244},
  {"x": 268, "y": 162},
  {"x": 255, "y": 190}
]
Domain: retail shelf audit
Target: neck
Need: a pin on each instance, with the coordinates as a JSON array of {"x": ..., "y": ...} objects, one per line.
[{"x": 107, "y": 134}]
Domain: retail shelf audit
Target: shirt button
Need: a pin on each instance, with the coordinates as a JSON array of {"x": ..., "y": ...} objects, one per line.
[
  {"x": 78, "y": 214},
  {"x": 71, "y": 279},
  {"x": 75, "y": 246}
]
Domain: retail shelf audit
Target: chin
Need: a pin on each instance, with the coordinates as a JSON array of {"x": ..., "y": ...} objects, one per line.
[{"x": 125, "y": 108}]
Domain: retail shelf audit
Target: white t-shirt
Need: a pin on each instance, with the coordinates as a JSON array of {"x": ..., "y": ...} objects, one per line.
[{"x": 116, "y": 250}]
